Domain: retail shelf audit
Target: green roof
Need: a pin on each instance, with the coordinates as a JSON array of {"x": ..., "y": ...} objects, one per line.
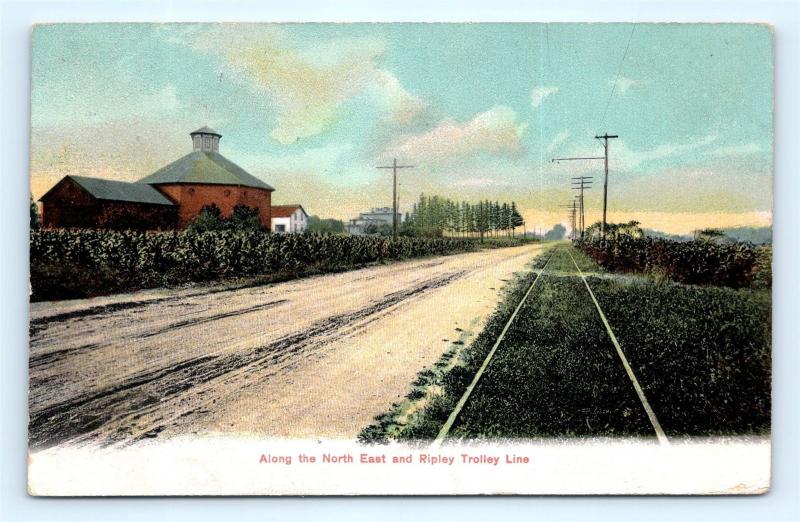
[
  {"x": 121, "y": 191},
  {"x": 204, "y": 167}
]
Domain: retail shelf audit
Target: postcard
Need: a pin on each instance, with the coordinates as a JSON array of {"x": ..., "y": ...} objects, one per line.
[{"x": 400, "y": 259}]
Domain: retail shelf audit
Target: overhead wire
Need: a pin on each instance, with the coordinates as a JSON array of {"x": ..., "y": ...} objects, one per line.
[
  {"x": 616, "y": 79},
  {"x": 542, "y": 68}
]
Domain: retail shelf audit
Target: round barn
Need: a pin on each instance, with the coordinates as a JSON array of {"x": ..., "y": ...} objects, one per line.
[{"x": 171, "y": 197}]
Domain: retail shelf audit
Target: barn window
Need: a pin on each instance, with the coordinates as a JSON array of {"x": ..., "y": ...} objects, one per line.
[
  {"x": 191, "y": 191},
  {"x": 208, "y": 142},
  {"x": 227, "y": 193}
]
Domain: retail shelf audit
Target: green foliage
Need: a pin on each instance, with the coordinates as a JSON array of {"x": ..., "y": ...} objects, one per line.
[
  {"x": 709, "y": 234},
  {"x": 78, "y": 263},
  {"x": 318, "y": 225},
  {"x": 691, "y": 262},
  {"x": 615, "y": 230},
  {"x": 755, "y": 235},
  {"x": 244, "y": 218},
  {"x": 702, "y": 356},
  {"x": 434, "y": 216},
  {"x": 35, "y": 219},
  {"x": 378, "y": 229},
  {"x": 556, "y": 233},
  {"x": 210, "y": 219},
  {"x": 712, "y": 347}
]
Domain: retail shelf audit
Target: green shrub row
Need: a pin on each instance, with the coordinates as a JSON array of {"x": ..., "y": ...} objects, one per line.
[
  {"x": 699, "y": 262},
  {"x": 80, "y": 263}
]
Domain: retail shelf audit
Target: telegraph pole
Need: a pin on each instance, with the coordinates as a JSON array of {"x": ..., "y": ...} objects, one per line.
[
  {"x": 394, "y": 166},
  {"x": 581, "y": 183},
  {"x": 605, "y": 137},
  {"x": 574, "y": 220},
  {"x": 573, "y": 209}
]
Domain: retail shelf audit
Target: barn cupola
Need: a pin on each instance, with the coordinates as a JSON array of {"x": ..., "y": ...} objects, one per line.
[{"x": 205, "y": 139}]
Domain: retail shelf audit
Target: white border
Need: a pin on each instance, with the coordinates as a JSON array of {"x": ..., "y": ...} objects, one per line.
[{"x": 16, "y": 18}]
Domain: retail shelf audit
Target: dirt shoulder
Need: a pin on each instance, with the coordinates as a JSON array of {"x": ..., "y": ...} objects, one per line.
[{"x": 317, "y": 357}]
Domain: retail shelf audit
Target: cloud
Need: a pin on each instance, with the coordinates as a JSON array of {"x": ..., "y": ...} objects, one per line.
[
  {"x": 713, "y": 187},
  {"x": 309, "y": 83},
  {"x": 481, "y": 182},
  {"x": 632, "y": 159},
  {"x": 744, "y": 149},
  {"x": 324, "y": 160},
  {"x": 403, "y": 107},
  {"x": 128, "y": 150},
  {"x": 623, "y": 84},
  {"x": 495, "y": 131},
  {"x": 165, "y": 100},
  {"x": 557, "y": 140},
  {"x": 538, "y": 94}
]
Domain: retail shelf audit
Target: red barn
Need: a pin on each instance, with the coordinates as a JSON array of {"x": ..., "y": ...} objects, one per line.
[{"x": 169, "y": 198}]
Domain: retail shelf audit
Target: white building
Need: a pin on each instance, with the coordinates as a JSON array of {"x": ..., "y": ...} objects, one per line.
[
  {"x": 289, "y": 219},
  {"x": 377, "y": 217}
]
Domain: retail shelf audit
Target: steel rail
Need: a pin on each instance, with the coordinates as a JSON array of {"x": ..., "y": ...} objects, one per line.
[
  {"x": 454, "y": 414},
  {"x": 662, "y": 437}
]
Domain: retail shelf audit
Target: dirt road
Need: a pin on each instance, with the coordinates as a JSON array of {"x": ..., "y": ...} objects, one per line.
[{"x": 316, "y": 357}]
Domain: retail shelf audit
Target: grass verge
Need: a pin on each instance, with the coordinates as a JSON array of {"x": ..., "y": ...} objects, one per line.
[{"x": 702, "y": 356}]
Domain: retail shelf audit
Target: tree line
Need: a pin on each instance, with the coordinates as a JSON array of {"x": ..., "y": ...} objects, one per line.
[{"x": 435, "y": 216}]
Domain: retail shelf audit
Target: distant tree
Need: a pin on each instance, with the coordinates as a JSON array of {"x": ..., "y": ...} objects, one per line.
[
  {"x": 319, "y": 225},
  {"x": 378, "y": 229},
  {"x": 36, "y": 221},
  {"x": 593, "y": 231},
  {"x": 709, "y": 234},
  {"x": 615, "y": 230},
  {"x": 631, "y": 228},
  {"x": 556, "y": 233},
  {"x": 209, "y": 219},
  {"x": 434, "y": 216},
  {"x": 516, "y": 218},
  {"x": 755, "y": 235},
  {"x": 495, "y": 217}
]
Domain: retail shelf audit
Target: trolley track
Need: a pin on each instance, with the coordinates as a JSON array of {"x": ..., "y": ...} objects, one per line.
[
  {"x": 454, "y": 415},
  {"x": 453, "y": 418}
]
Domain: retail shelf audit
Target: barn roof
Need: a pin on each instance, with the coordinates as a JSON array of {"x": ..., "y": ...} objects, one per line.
[
  {"x": 110, "y": 190},
  {"x": 204, "y": 167},
  {"x": 205, "y": 130},
  {"x": 279, "y": 211}
]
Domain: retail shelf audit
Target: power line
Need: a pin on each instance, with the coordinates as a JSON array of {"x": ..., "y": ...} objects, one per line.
[
  {"x": 616, "y": 79},
  {"x": 547, "y": 37}
]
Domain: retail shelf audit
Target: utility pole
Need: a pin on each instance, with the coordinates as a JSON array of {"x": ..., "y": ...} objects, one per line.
[
  {"x": 573, "y": 210},
  {"x": 581, "y": 183},
  {"x": 394, "y": 166},
  {"x": 574, "y": 230},
  {"x": 605, "y": 137}
]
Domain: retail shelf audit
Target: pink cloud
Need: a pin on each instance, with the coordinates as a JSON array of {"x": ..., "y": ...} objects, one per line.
[{"x": 495, "y": 131}]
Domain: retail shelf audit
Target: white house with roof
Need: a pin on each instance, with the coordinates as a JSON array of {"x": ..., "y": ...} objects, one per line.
[
  {"x": 376, "y": 217},
  {"x": 289, "y": 219}
]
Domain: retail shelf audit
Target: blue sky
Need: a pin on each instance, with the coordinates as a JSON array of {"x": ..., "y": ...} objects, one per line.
[{"x": 478, "y": 108}]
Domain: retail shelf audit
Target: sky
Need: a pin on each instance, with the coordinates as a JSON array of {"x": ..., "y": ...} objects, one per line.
[{"x": 479, "y": 110}]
